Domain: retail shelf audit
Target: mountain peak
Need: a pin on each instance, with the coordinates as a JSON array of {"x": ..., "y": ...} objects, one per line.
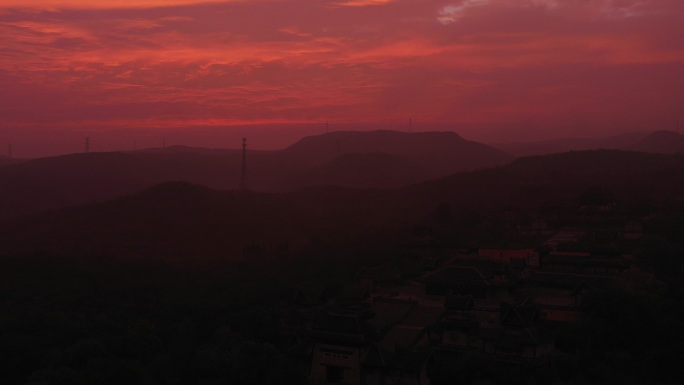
[
  {"x": 665, "y": 134},
  {"x": 662, "y": 141},
  {"x": 443, "y": 152},
  {"x": 376, "y": 135}
]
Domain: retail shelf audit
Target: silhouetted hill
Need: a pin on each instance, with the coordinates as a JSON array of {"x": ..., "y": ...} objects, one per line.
[
  {"x": 371, "y": 170},
  {"x": 173, "y": 220},
  {"x": 545, "y": 147},
  {"x": 560, "y": 178},
  {"x": 76, "y": 179},
  {"x": 181, "y": 220},
  {"x": 661, "y": 142},
  {"x": 439, "y": 153},
  {"x": 72, "y": 180},
  {"x": 5, "y": 161},
  {"x": 180, "y": 149}
]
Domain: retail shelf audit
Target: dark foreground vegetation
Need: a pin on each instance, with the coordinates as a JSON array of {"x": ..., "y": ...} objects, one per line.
[
  {"x": 76, "y": 312},
  {"x": 72, "y": 320},
  {"x": 89, "y": 320}
]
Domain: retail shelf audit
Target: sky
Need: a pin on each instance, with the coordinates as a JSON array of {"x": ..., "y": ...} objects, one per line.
[{"x": 142, "y": 73}]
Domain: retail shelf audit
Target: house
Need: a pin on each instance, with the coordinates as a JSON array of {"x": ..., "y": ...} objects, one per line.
[
  {"x": 596, "y": 199},
  {"x": 297, "y": 314},
  {"x": 401, "y": 356},
  {"x": 460, "y": 280},
  {"x": 377, "y": 276},
  {"x": 583, "y": 263},
  {"x": 559, "y": 295},
  {"x": 504, "y": 255},
  {"x": 633, "y": 229},
  {"x": 565, "y": 236},
  {"x": 459, "y": 324},
  {"x": 404, "y": 366},
  {"x": 519, "y": 338},
  {"x": 415, "y": 263},
  {"x": 519, "y": 266},
  {"x": 341, "y": 340},
  {"x": 409, "y": 367},
  {"x": 539, "y": 226}
]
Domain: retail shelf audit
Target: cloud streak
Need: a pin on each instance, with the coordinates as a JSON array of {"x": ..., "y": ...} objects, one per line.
[{"x": 74, "y": 63}]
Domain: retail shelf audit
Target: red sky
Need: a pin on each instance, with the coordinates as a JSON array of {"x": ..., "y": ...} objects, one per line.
[{"x": 131, "y": 72}]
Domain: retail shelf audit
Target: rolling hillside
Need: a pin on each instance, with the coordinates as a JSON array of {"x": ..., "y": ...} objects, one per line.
[
  {"x": 400, "y": 158},
  {"x": 545, "y": 147},
  {"x": 355, "y": 170},
  {"x": 652, "y": 179},
  {"x": 181, "y": 220},
  {"x": 665, "y": 142},
  {"x": 439, "y": 153}
]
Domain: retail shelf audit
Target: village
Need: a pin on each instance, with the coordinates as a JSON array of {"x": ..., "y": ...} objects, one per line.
[{"x": 444, "y": 317}]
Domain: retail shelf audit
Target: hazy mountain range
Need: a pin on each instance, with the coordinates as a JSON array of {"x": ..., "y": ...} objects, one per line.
[
  {"x": 4, "y": 161},
  {"x": 353, "y": 159},
  {"x": 179, "y": 220},
  {"x": 375, "y": 159},
  {"x": 658, "y": 141}
]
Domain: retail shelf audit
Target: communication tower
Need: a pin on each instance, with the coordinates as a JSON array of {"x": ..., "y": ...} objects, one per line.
[{"x": 243, "y": 179}]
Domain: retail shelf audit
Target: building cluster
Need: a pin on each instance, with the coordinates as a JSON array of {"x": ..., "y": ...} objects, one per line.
[
  {"x": 423, "y": 320},
  {"x": 396, "y": 325}
]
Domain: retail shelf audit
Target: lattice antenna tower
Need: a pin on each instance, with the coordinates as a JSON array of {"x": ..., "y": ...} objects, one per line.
[{"x": 243, "y": 179}]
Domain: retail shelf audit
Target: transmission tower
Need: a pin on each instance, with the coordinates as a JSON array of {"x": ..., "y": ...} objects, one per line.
[{"x": 243, "y": 179}]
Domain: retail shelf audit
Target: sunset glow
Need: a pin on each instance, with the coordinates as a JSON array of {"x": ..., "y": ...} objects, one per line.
[{"x": 545, "y": 68}]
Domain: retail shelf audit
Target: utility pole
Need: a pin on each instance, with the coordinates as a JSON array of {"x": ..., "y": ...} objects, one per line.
[
  {"x": 243, "y": 179},
  {"x": 410, "y": 125},
  {"x": 87, "y": 144},
  {"x": 10, "y": 146}
]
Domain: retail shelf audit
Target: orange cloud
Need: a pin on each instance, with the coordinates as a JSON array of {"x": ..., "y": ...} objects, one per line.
[
  {"x": 364, "y": 3},
  {"x": 105, "y": 4},
  {"x": 131, "y": 64}
]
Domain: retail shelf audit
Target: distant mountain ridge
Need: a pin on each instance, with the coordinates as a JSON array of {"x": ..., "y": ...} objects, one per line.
[
  {"x": 653, "y": 179},
  {"x": 176, "y": 149},
  {"x": 440, "y": 153},
  {"x": 660, "y": 142},
  {"x": 544, "y": 147},
  {"x": 184, "y": 220},
  {"x": 5, "y": 161},
  {"x": 373, "y": 159},
  {"x": 400, "y": 158},
  {"x": 370, "y": 170}
]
